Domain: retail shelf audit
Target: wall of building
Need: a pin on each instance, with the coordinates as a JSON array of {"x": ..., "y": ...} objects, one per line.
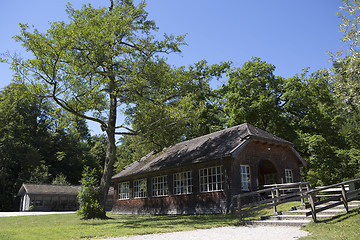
[
  {"x": 281, "y": 156},
  {"x": 195, "y": 203},
  {"x": 201, "y": 203}
]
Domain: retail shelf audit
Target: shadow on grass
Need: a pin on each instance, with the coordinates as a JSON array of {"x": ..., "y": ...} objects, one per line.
[
  {"x": 165, "y": 221},
  {"x": 341, "y": 217}
]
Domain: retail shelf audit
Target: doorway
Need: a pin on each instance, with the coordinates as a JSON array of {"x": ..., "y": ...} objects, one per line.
[{"x": 267, "y": 173}]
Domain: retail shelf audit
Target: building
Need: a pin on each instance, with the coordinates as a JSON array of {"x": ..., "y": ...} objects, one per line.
[
  {"x": 48, "y": 197},
  {"x": 202, "y": 175}
]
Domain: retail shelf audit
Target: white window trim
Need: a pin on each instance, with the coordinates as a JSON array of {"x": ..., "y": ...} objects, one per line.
[
  {"x": 206, "y": 181},
  {"x": 248, "y": 178},
  {"x": 136, "y": 187},
  {"x": 126, "y": 194},
  {"x": 188, "y": 187},
  {"x": 160, "y": 186},
  {"x": 289, "y": 177}
]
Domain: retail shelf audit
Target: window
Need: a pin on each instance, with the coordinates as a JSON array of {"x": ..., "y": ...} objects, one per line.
[
  {"x": 211, "y": 179},
  {"x": 289, "y": 176},
  {"x": 140, "y": 188},
  {"x": 124, "y": 190},
  {"x": 159, "y": 186},
  {"x": 270, "y": 178},
  {"x": 38, "y": 201},
  {"x": 183, "y": 183},
  {"x": 245, "y": 177}
]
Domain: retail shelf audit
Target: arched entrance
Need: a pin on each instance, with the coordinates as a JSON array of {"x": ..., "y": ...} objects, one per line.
[{"x": 267, "y": 173}]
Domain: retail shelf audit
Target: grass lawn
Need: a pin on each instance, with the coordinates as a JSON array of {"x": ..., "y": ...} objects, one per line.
[
  {"x": 70, "y": 226},
  {"x": 343, "y": 226}
]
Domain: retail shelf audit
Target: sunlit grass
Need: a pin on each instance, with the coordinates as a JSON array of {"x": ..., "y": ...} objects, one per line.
[
  {"x": 343, "y": 226},
  {"x": 70, "y": 226}
]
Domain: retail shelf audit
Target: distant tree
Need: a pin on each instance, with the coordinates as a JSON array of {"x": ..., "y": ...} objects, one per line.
[
  {"x": 23, "y": 130},
  {"x": 60, "y": 179}
]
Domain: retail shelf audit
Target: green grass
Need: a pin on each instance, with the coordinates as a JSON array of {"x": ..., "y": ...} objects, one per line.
[
  {"x": 70, "y": 226},
  {"x": 343, "y": 226},
  {"x": 269, "y": 211}
]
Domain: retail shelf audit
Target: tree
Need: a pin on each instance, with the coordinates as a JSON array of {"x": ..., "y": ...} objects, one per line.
[
  {"x": 89, "y": 66},
  {"x": 347, "y": 63},
  {"x": 321, "y": 127},
  {"x": 181, "y": 105},
  {"x": 254, "y": 96},
  {"x": 87, "y": 197},
  {"x": 23, "y": 131}
]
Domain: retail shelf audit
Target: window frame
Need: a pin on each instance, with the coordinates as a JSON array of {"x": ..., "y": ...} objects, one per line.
[
  {"x": 245, "y": 175},
  {"x": 211, "y": 179},
  {"x": 159, "y": 188},
  {"x": 140, "y": 188},
  {"x": 183, "y": 183},
  {"x": 287, "y": 176},
  {"x": 126, "y": 194}
]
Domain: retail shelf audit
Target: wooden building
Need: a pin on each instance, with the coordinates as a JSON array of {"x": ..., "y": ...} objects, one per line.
[
  {"x": 202, "y": 175},
  {"x": 49, "y": 197}
]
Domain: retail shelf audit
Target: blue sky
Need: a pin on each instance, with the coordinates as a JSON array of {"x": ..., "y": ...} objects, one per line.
[{"x": 291, "y": 34}]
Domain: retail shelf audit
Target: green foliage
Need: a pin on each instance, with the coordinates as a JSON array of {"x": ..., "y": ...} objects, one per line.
[
  {"x": 346, "y": 63},
  {"x": 36, "y": 145},
  {"x": 88, "y": 197},
  {"x": 60, "y": 180},
  {"x": 254, "y": 96},
  {"x": 175, "y": 104},
  {"x": 93, "y": 68}
]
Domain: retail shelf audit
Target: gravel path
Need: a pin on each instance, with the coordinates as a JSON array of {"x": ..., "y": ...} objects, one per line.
[{"x": 233, "y": 233}]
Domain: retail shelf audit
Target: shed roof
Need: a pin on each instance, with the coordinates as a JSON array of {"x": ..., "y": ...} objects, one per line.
[
  {"x": 225, "y": 143},
  {"x": 50, "y": 189},
  {"x": 32, "y": 188}
]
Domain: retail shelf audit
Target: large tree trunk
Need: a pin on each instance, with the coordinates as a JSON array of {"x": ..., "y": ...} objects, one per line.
[{"x": 110, "y": 150}]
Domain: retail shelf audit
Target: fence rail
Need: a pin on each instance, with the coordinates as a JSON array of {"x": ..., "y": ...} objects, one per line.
[
  {"x": 273, "y": 195},
  {"x": 332, "y": 195}
]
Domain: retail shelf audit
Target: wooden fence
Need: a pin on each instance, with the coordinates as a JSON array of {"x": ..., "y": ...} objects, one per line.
[
  {"x": 323, "y": 198},
  {"x": 273, "y": 195},
  {"x": 270, "y": 196}
]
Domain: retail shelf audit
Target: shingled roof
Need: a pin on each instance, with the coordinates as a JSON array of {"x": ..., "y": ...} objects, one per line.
[
  {"x": 225, "y": 143},
  {"x": 41, "y": 189},
  {"x": 50, "y": 189}
]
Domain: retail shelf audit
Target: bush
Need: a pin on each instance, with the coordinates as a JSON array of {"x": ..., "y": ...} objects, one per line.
[
  {"x": 31, "y": 208},
  {"x": 87, "y": 197}
]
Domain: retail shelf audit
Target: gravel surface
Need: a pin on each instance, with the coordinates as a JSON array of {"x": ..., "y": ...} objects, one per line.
[{"x": 233, "y": 233}]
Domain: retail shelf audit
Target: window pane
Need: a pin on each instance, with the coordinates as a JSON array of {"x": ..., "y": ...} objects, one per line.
[
  {"x": 211, "y": 179},
  {"x": 245, "y": 177},
  {"x": 182, "y": 183}
]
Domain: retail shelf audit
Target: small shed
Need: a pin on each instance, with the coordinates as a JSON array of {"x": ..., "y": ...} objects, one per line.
[
  {"x": 203, "y": 174},
  {"x": 49, "y": 197}
]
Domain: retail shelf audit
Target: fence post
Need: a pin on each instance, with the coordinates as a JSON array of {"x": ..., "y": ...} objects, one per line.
[
  {"x": 239, "y": 207},
  {"x": 275, "y": 193},
  {"x": 301, "y": 194},
  {"x": 344, "y": 198},
  {"x": 312, "y": 206}
]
